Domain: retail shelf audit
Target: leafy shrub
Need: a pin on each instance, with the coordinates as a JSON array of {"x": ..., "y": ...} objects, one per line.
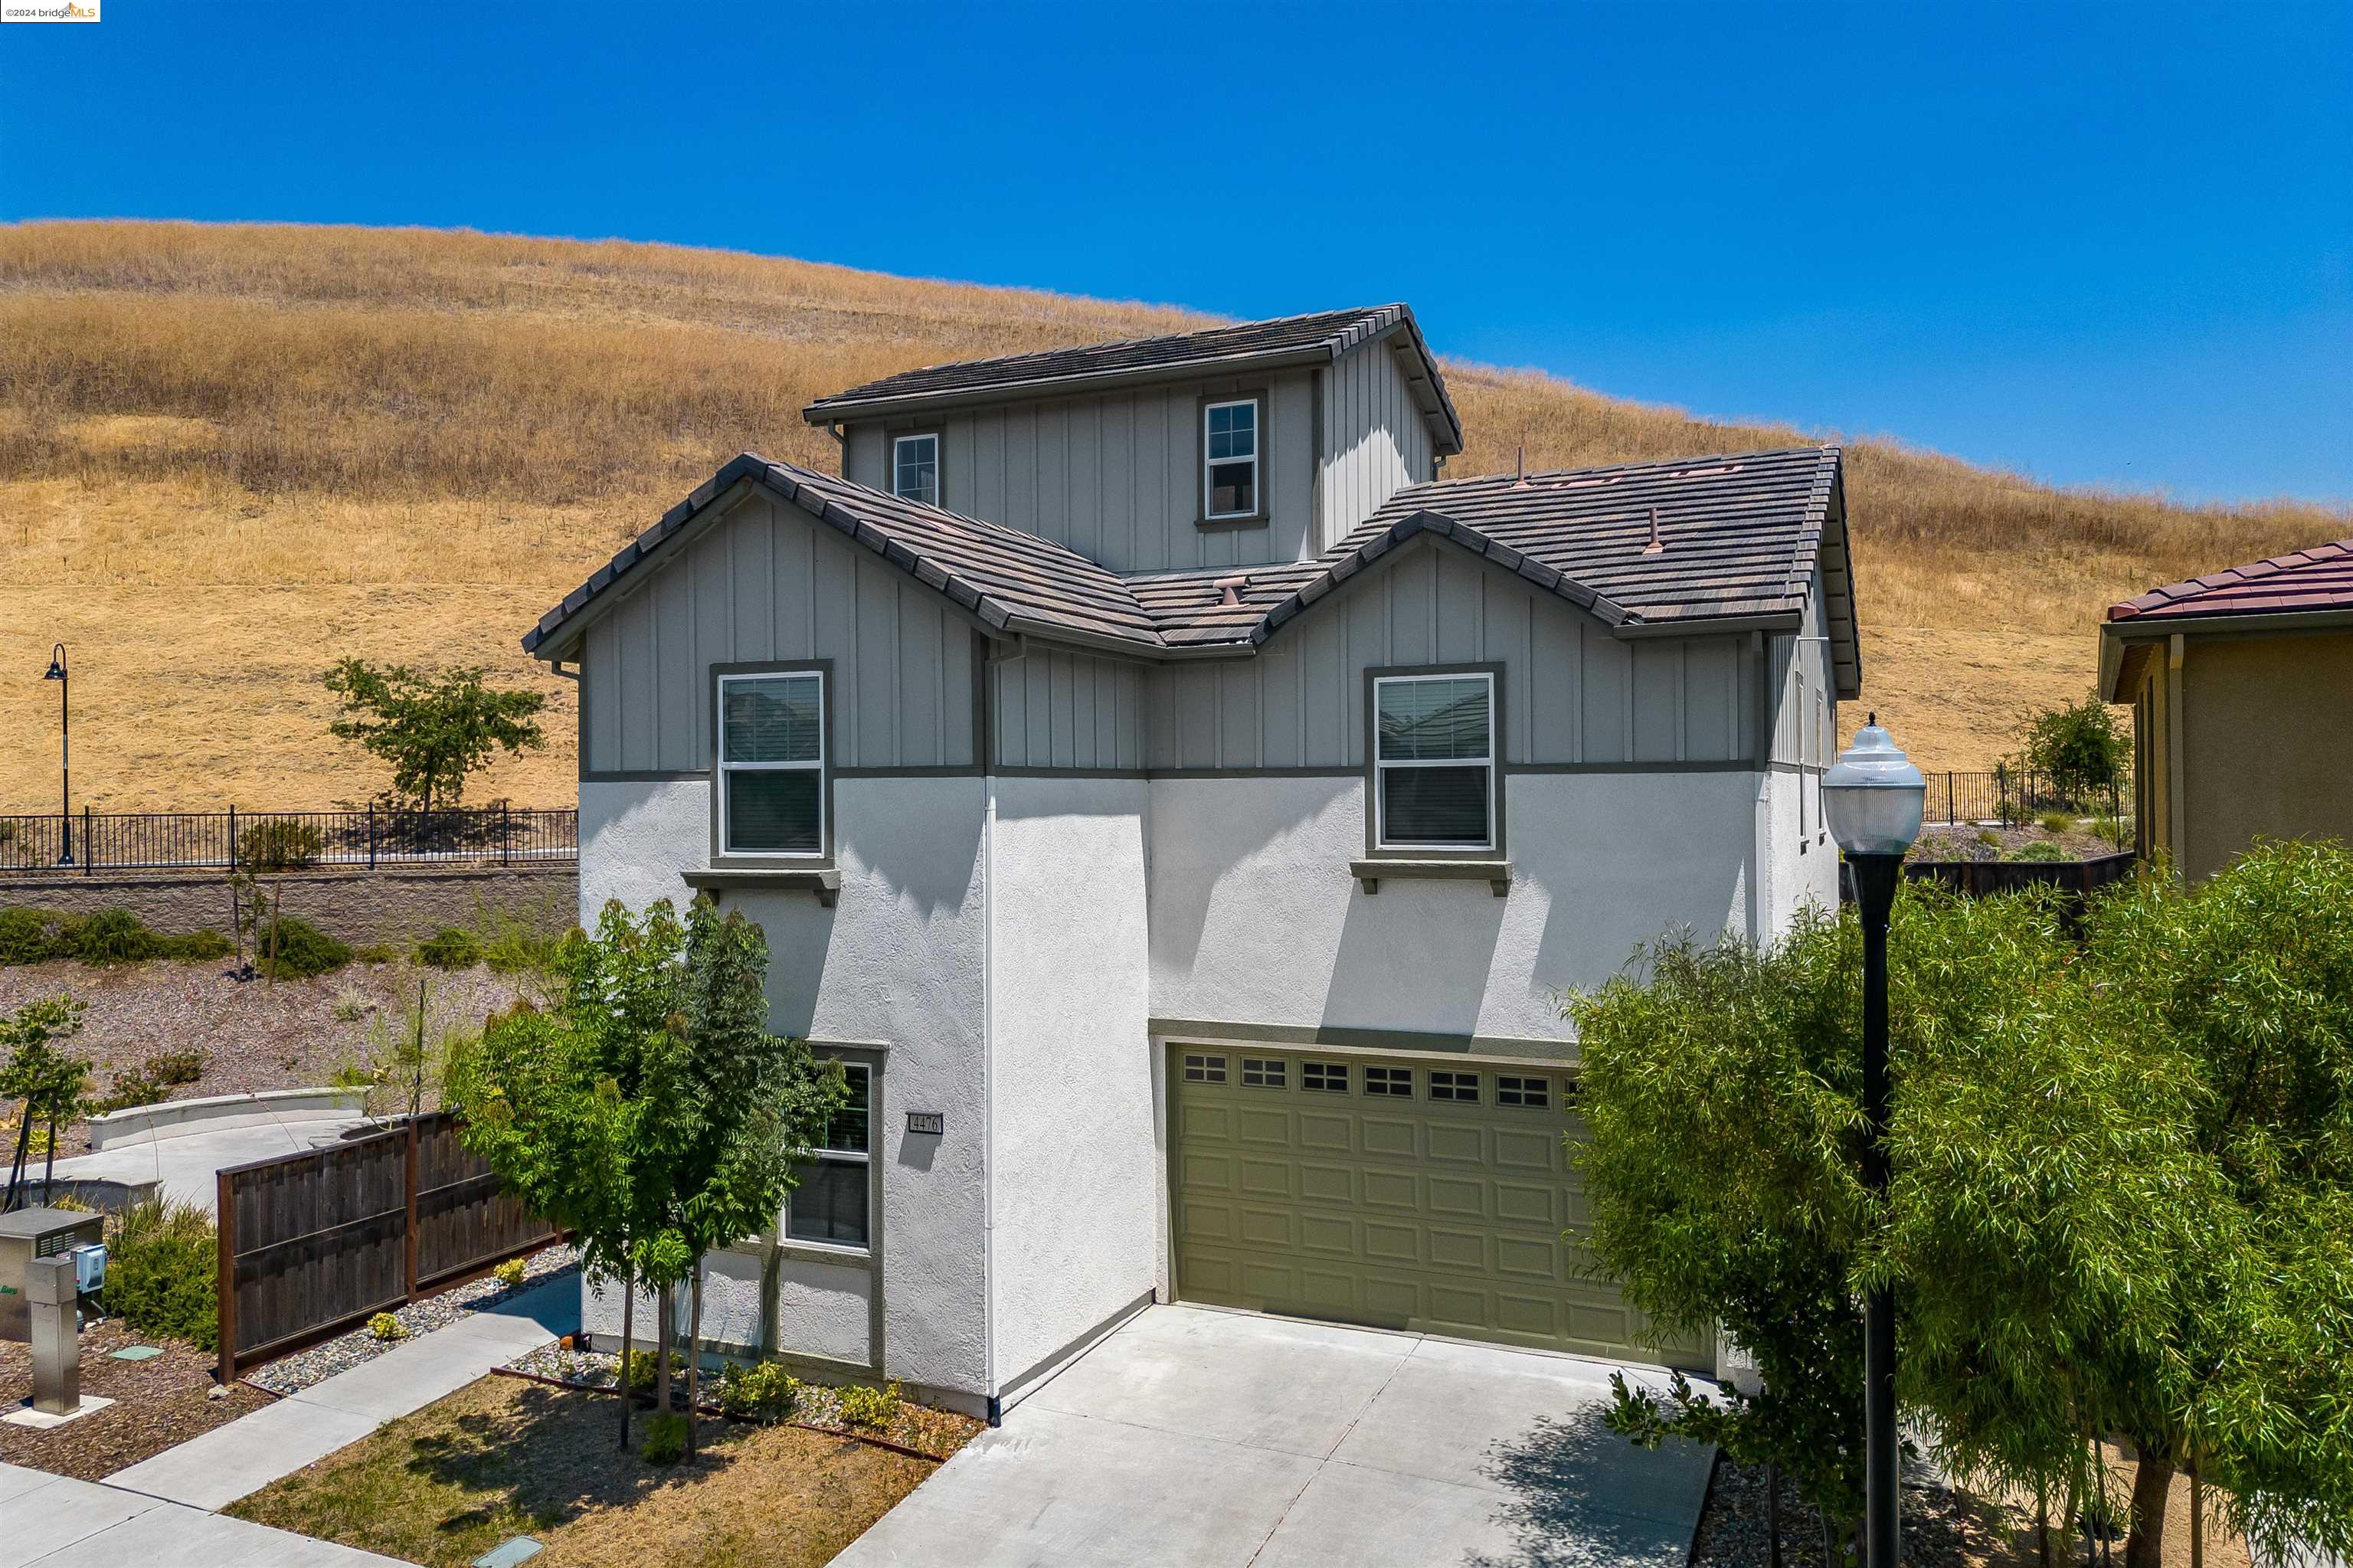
[
  {"x": 349, "y": 1074},
  {"x": 510, "y": 1273},
  {"x": 278, "y": 845},
  {"x": 197, "y": 947},
  {"x": 385, "y": 1328},
  {"x": 25, "y": 934},
  {"x": 638, "y": 1371},
  {"x": 173, "y": 1068},
  {"x": 449, "y": 948},
  {"x": 2055, "y": 822},
  {"x": 303, "y": 949},
  {"x": 763, "y": 1391},
  {"x": 162, "y": 1272},
  {"x": 2080, "y": 749},
  {"x": 511, "y": 944},
  {"x": 108, "y": 936},
  {"x": 374, "y": 953},
  {"x": 2042, "y": 849},
  {"x": 132, "y": 1086},
  {"x": 665, "y": 1439},
  {"x": 869, "y": 1407}
]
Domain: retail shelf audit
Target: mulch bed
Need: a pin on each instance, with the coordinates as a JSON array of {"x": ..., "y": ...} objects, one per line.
[
  {"x": 254, "y": 1035},
  {"x": 292, "y": 1375},
  {"x": 2003, "y": 843},
  {"x": 159, "y": 1404}
]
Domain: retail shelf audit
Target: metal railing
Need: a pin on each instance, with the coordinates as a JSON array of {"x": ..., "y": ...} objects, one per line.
[
  {"x": 94, "y": 842},
  {"x": 2010, "y": 797}
]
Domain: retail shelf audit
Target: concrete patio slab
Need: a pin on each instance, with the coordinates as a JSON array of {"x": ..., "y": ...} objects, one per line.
[
  {"x": 229, "y": 1462},
  {"x": 187, "y": 1167},
  {"x": 55, "y": 1523},
  {"x": 1196, "y": 1438}
]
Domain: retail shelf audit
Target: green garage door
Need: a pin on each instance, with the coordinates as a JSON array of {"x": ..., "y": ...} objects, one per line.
[{"x": 1389, "y": 1192}]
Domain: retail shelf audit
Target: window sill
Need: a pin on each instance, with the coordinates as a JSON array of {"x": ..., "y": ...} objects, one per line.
[
  {"x": 1211, "y": 525},
  {"x": 816, "y": 1251},
  {"x": 826, "y": 882},
  {"x": 1495, "y": 874}
]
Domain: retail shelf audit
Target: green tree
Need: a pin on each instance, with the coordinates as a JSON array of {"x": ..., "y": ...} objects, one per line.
[
  {"x": 432, "y": 731},
  {"x": 47, "y": 1082},
  {"x": 2082, "y": 748}
]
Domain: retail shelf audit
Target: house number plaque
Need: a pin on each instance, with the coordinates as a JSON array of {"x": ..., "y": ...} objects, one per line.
[{"x": 932, "y": 1122}]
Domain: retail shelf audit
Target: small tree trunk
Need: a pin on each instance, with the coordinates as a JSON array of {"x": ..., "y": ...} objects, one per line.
[
  {"x": 693, "y": 1356},
  {"x": 1773, "y": 1515},
  {"x": 2152, "y": 1487},
  {"x": 277, "y": 899},
  {"x": 665, "y": 1330},
  {"x": 23, "y": 1146},
  {"x": 629, "y": 1326},
  {"x": 2042, "y": 1527},
  {"x": 49, "y": 1165},
  {"x": 2197, "y": 1518}
]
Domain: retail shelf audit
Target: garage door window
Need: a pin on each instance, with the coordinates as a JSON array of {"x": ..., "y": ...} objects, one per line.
[
  {"x": 1536, "y": 1094},
  {"x": 1458, "y": 1086},
  {"x": 829, "y": 1205},
  {"x": 1262, "y": 1073},
  {"x": 1397, "y": 1082},
  {"x": 1332, "y": 1077},
  {"x": 1201, "y": 1069}
]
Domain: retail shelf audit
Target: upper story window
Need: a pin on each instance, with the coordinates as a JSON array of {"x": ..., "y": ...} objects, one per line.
[
  {"x": 916, "y": 468},
  {"x": 771, "y": 794},
  {"x": 1434, "y": 762},
  {"x": 830, "y": 1199},
  {"x": 1229, "y": 459}
]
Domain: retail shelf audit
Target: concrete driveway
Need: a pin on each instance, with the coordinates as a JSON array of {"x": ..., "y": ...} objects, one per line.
[{"x": 1206, "y": 1439}]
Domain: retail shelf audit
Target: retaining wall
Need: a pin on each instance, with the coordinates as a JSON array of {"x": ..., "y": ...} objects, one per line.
[{"x": 387, "y": 904}]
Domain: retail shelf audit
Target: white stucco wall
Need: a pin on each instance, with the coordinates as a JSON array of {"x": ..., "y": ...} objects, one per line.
[
  {"x": 1076, "y": 1176},
  {"x": 1256, "y": 919},
  {"x": 1799, "y": 863},
  {"x": 898, "y": 963}
]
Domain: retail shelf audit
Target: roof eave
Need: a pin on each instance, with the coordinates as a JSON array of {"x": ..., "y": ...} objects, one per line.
[{"x": 827, "y": 410}]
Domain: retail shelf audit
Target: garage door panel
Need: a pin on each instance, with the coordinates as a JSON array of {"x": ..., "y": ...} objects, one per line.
[{"x": 1449, "y": 1217}]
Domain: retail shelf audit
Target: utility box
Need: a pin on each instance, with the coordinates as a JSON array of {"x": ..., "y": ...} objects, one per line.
[{"x": 29, "y": 1233}]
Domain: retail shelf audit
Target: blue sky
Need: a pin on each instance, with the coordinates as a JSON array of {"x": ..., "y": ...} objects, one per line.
[{"x": 2104, "y": 245}]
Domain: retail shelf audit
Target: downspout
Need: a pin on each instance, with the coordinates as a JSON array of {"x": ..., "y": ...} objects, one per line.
[
  {"x": 988, "y": 1092},
  {"x": 2176, "y": 805}
]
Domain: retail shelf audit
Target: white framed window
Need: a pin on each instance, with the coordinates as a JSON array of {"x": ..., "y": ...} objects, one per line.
[
  {"x": 831, "y": 1206},
  {"x": 1204, "y": 1069},
  {"x": 771, "y": 794},
  {"x": 1229, "y": 459},
  {"x": 1264, "y": 1072},
  {"x": 915, "y": 467},
  {"x": 1434, "y": 762}
]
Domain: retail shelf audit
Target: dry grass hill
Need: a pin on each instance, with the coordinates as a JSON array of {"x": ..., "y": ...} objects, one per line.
[{"x": 230, "y": 454}]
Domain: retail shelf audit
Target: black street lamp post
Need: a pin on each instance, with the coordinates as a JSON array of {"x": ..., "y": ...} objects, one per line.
[
  {"x": 1873, "y": 798},
  {"x": 57, "y": 671}
]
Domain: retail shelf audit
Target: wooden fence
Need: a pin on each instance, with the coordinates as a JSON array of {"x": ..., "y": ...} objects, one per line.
[
  {"x": 1980, "y": 878},
  {"x": 312, "y": 1245}
]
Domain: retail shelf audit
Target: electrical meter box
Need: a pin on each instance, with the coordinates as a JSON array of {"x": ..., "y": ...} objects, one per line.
[
  {"x": 29, "y": 1233},
  {"x": 89, "y": 1268}
]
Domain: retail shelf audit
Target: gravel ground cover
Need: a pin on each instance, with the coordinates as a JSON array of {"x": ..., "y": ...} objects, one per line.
[
  {"x": 937, "y": 1433},
  {"x": 2003, "y": 843},
  {"x": 1944, "y": 1527},
  {"x": 254, "y": 1035},
  {"x": 292, "y": 1375},
  {"x": 159, "y": 1404}
]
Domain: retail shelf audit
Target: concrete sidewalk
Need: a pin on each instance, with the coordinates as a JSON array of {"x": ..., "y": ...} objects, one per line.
[
  {"x": 56, "y": 1522},
  {"x": 225, "y": 1464}
]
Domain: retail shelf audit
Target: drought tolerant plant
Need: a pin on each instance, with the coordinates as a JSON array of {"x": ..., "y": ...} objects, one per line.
[
  {"x": 298, "y": 950},
  {"x": 163, "y": 1272},
  {"x": 762, "y": 1391},
  {"x": 449, "y": 948},
  {"x": 510, "y": 1273},
  {"x": 666, "y": 1439},
  {"x": 384, "y": 1328},
  {"x": 874, "y": 1408},
  {"x": 279, "y": 844},
  {"x": 2081, "y": 748},
  {"x": 47, "y": 1083},
  {"x": 25, "y": 934},
  {"x": 431, "y": 730}
]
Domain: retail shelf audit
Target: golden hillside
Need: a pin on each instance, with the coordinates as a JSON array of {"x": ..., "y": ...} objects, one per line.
[{"x": 229, "y": 455}]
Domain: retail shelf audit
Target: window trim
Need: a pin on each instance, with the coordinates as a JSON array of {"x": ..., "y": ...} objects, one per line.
[
  {"x": 820, "y": 859},
  {"x": 842, "y": 1251},
  {"x": 1262, "y": 514},
  {"x": 1497, "y": 847},
  {"x": 938, "y": 438}
]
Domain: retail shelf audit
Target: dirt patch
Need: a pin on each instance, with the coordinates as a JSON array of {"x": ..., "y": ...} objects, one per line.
[
  {"x": 159, "y": 1404},
  {"x": 1943, "y": 1527},
  {"x": 503, "y": 1458},
  {"x": 254, "y": 1036},
  {"x": 2004, "y": 844}
]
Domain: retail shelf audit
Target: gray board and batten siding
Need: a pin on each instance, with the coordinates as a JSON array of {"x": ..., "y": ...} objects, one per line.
[{"x": 915, "y": 687}]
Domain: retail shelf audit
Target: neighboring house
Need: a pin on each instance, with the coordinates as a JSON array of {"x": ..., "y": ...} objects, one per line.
[
  {"x": 1179, "y": 810},
  {"x": 2241, "y": 686}
]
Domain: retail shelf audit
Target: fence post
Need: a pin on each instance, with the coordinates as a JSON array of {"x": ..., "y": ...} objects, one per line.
[
  {"x": 1951, "y": 815},
  {"x": 506, "y": 833},
  {"x": 232, "y": 836},
  {"x": 371, "y": 835},
  {"x": 86, "y": 850},
  {"x": 225, "y": 1314},
  {"x": 409, "y": 1243}
]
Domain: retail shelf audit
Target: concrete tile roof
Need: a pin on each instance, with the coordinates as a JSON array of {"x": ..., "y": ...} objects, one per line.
[{"x": 2317, "y": 579}]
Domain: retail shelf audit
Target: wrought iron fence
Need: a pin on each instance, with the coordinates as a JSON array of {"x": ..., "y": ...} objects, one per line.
[
  {"x": 2008, "y": 797},
  {"x": 94, "y": 842}
]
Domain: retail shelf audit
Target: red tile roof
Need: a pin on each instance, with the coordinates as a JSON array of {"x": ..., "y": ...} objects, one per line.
[{"x": 2319, "y": 578}]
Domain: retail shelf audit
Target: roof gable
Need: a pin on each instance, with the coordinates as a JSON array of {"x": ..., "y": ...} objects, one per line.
[
  {"x": 2318, "y": 580},
  {"x": 1319, "y": 338}
]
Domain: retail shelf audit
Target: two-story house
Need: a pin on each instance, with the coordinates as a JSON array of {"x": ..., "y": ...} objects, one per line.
[{"x": 1180, "y": 806}]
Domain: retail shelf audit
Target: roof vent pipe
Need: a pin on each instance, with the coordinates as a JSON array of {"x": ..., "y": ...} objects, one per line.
[
  {"x": 1656, "y": 544},
  {"x": 1229, "y": 589},
  {"x": 1521, "y": 482}
]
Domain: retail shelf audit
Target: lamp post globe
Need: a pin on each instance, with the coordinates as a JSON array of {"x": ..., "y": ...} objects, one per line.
[
  {"x": 57, "y": 671},
  {"x": 1872, "y": 798}
]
